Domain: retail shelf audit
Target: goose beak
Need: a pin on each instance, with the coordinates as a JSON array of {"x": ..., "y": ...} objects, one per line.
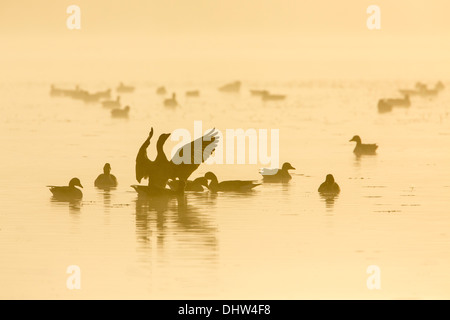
[{"x": 80, "y": 185}]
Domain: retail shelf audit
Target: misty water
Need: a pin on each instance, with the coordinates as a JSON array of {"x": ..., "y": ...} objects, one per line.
[{"x": 279, "y": 241}]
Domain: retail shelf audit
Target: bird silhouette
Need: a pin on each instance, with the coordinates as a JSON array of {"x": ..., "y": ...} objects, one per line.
[
  {"x": 67, "y": 193},
  {"x": 361, "y": 148},
  {"x": 106, "y": 179},
  {"x": 230, "y": 185},
  {"x": 329, "y": 186},
  {"x": 184, "y": 162},
  {"x": 277, "y": 175}
]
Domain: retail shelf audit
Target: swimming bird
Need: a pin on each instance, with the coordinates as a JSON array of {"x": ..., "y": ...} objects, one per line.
[
  {"x": 106, "y": 179},
  {"x": 230, "y": 185},
  {"x": 112, "y": 103},
  {"x": 194, "y": 93},
  {"x": 405, "y": 102},
  {"x": 384, "y": 106},
  {"x": 124, "y": 89},
  {"x": 120, "y": 113},
  {"x": 191, "y": 185},
  {"x": 161, "y": 91},
  {"x": 363, "y": 148},
  {"x": 231, "y": 87},
  {"x": 184, "y": 162},
  {"x": 171, "y": 102},
  {"x": 329, "y": 186},
  {"x": 267, "y": 96},
  {"x": 67, "y": 193},
  {"x": 277, "y": 175}
]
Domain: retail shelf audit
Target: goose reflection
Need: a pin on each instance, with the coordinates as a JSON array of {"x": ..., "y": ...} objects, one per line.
[
  {"x": 166, "y": 217},
  {"x": 329, "y": 199}
]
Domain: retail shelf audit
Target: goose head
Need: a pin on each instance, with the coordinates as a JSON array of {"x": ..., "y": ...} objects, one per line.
[
  {"x": 287, "y": 166},
  {"x": 329, "y": 179},
  {"x": 127, "y": 108},
  {"x": 210, "y": 176},
  {"x": 106, "y": 168},
  {"x": 75, "y": 182},
  {"x": 357, "y": 139}
]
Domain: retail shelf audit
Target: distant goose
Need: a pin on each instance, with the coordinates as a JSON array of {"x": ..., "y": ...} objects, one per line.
[
  {"x": 231, "y": 87},
  {"x": 267, "y": 96},
  {"x": 277, "y": 175},
  {"x": 191, "y": 185},
  {"x": 124, "y": 89},
  {"x": 106, "y": 179},
  {"x": 361, "y": 148},
  {"x": 194, "y": 93},
  {"x": 68, "y": 193},
  {"x": 161, "y": 91},
  {"x": 329, "y": 186},
  {"x": 405, "y": 102},
  {"x": 171, "y": 102},
  {"x": 384, "y": 106},
  {"x": 258, "y": 93},
  {"x": 112, "y": 103},
  {"x": 120, "y": 113},
  {"x": 230, "y": 185}
]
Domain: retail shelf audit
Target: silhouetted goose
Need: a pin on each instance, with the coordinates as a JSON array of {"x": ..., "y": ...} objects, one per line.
[
  {"x": 258, "y": 93},
  {"x": 231, "y": 87},
  {"x": 112, "y": 103},
  {"x": 194, "y": 93},
  {"x": 69, "y": 192},
  {"x": 106, "y": 179},
  {"x": 329, "y": 186},
  {"x": 384, "y": 106},
  {"x": 120, "y": 113},
  {"x": 124, "y": 89},
  {"x": 405, "y": 102},
  {"x": 181, "y": 166},
  {"x": 171, "y": 102},
  {"x": 195, "y": 185},
  {"x": 266, "y": 96},
  {"x": 277, "y": 175},
  {"x": 363, "y": 148},
  {"x": 161, "y": 91},
  {"x": 230, "y": 185}
]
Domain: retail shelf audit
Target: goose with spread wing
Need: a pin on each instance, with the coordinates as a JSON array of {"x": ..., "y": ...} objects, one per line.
[
  {"x": 184, "y": 162},
  {"x": 230, "y": 185}
]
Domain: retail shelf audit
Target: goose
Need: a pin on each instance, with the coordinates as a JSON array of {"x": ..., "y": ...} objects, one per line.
[
  {"x": 384, "y": 106},
  {"x": 363, "y": 148},
  {"x": 405, "y": 102},
  {"x": 266, "y": 96},
  {"x": 171, "y": 102},
  {"x": 124, "y": 89},
  {"x": 67, "y": 193},
  {"x": 230, "y": 185},
  {"x": 258, "y": 93},
  {"x": 277, "y": 175},
  {"x": 161, "y": 91},
  {"x": 329, "y": 186},
  {"x": 106, "y": 179},
  {"x": 191, "y": 185},
  {"x": 231, "y": 87},
  {"x": 194, "y": 93},
  {"x": 120, "y": 113},
  {"x": 182, "y": 164},
  {"x": 112, "y": 103}
]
